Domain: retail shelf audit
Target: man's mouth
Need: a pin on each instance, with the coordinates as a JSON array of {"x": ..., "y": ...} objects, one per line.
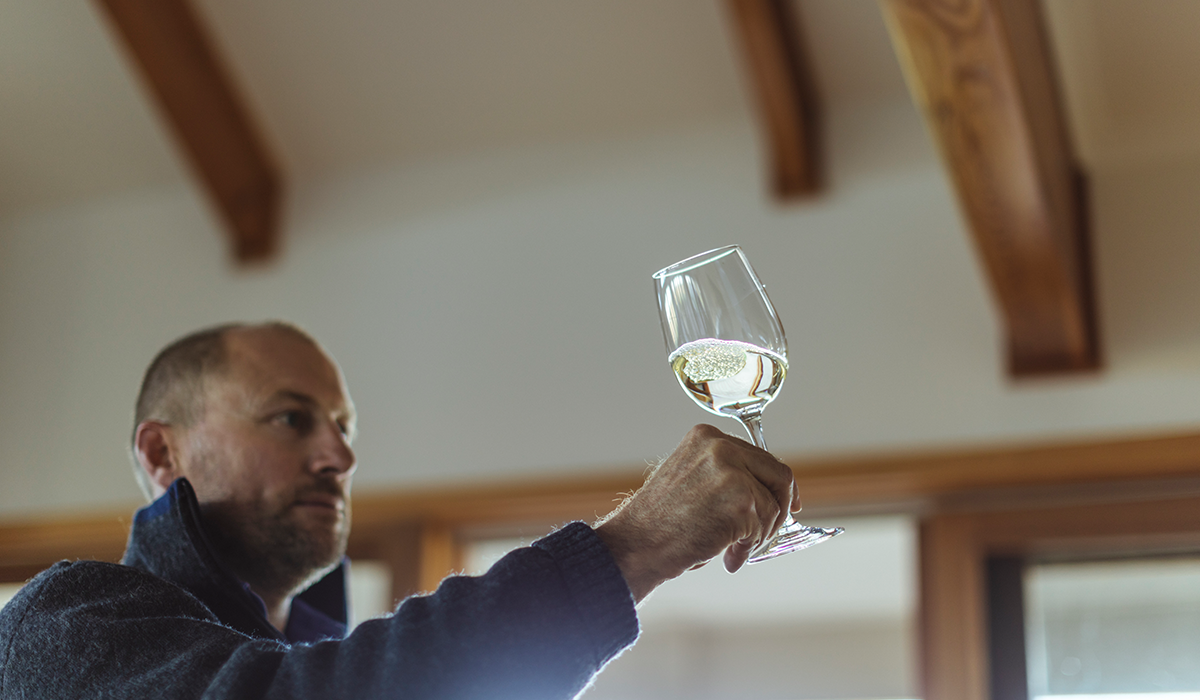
[{"x": 325, "y": 501}]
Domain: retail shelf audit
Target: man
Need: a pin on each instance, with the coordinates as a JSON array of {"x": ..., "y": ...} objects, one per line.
[{"x": 232, "y": 585}]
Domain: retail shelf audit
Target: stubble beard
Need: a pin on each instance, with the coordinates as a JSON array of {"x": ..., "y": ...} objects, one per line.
[{"x": 272, "y": 549}]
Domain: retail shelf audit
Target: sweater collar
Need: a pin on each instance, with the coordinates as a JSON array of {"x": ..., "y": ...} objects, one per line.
[{"x": 169, "y": 541}]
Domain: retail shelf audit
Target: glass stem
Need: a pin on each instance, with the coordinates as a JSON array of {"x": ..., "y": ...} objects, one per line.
[{"x": 754, "y": 427}]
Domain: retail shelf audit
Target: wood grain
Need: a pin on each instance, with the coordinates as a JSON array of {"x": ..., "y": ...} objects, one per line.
[
  {"x": 952, "y": 610},
  {"x": 772, "y": 43},
  {"x": 398, "y": 546},
  {"x": 938, "y": 475},
  {"x": 440, "y": 555},
  {"x": 955, "y": 548},
  {"x": 982, "y": 74},
  {"x": 393, "y": 525},
  {"x": 43, "y": 541},
  {"x": 196, "y": 94}
]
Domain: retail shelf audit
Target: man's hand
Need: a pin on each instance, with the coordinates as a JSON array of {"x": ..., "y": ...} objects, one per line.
[{"x": 714, "y": 493}]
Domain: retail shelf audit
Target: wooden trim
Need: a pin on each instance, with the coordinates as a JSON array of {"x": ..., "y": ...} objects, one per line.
[
  {"x": 20, "y": 573},
  {"x": 915, "y": 479},
  {"x": 951, "y": 612},
  {"x": 440, "y": 555},
  {"x": 982, "y": 73},
  {"x": 398, "y": 546},
  {"x": 772, "y": 42},
  {"x": 954, "y": 552},
  {"x": 938, "y": 476},
  {"x": 183, "y": 71},
  {"x": 549, "y": 499},
  {"x": 44, "y": 541},
  {"x": 1106, "y": 529},
  {"x": 916, "y": 482}
]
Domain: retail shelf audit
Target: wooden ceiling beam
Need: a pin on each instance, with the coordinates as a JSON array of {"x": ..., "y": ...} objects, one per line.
[
  {"x": 776, "y": 62},
  {"x": 183, "y": 70},
  {"x": 982, "y": 73}
]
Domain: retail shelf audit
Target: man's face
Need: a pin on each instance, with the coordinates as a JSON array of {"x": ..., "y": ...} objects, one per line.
[{"x": 270, "y": 459}]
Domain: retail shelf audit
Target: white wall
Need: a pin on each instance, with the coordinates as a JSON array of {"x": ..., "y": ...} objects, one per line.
[{"x": 494, "y": 314}]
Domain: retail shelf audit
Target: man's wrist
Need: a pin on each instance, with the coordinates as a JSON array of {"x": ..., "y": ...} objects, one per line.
[{"x": 634, "y": 557}]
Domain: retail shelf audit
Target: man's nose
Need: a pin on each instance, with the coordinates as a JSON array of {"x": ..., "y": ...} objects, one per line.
[{"x": 333, "y": 452}]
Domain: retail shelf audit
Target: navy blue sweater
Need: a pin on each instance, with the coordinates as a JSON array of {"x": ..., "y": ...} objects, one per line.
[{"x": 172, "y": 622}]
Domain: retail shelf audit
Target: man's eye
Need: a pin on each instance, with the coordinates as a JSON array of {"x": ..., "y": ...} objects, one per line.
[{"x": 299, "y": 421}]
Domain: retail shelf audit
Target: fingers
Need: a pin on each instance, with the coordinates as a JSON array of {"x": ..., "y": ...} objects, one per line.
[
  {"x": 714, "y": 494},
  {"x": 777, "y": 478},
  {"x": 771, "y": 515},
  {"x": 764, "y": 518},
  {"x": 771, "y": 486}
]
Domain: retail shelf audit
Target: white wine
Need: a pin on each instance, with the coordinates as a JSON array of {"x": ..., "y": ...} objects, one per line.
[{"x": 728, "y": 377}]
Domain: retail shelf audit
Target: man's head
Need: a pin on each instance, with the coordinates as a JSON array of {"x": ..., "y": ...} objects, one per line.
[{"x": 259, "y": 421}]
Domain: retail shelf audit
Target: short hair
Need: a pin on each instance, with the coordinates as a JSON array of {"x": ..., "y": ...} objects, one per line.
[{"x": 173, "y": 388}]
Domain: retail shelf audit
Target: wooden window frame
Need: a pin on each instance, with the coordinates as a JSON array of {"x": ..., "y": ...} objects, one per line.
[{"x": 957, "y": 547}]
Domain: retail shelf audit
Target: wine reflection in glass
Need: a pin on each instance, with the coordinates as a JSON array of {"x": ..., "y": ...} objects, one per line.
[{"x": 727, "y": 348}]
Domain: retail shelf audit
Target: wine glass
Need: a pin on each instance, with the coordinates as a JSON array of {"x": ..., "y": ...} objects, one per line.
[{"x": 727, "y": 348}]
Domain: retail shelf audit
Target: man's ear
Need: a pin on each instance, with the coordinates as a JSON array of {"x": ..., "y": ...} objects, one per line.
[{"x": 155, "y": 448}]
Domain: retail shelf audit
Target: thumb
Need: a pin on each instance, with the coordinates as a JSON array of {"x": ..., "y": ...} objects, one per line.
[{"x": 737, "y": 554}]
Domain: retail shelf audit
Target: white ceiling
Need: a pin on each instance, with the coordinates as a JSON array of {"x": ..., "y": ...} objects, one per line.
[
  {"x": 356, "y": 83},
  {"x": 74, "y": 123},
  {"x": 362, "y": 83},
  {"x": 1131, "y": 71},
  {"x": 343, "y": 86}
]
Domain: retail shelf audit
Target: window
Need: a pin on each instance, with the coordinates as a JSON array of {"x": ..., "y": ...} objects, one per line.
[
  {"x": 1116, "y": 627},
  {"x": 1093, "y": 628},
  {"x": 7, "y": 591},
  {"x": 835, "y": 622}
]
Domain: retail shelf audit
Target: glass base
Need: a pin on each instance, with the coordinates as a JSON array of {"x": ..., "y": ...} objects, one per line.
[{"x": 792, "y": 537}]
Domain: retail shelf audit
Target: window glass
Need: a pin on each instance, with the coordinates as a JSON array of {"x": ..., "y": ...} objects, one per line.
[
  {"x": 370, "y": 590},
  {"x": 7, "y": 591},
  {"x": 835, "y": 622},
  {"x": 1121, "y": 629}
]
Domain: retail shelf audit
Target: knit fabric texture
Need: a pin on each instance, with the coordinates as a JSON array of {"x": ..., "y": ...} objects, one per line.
[{"x": 172, "y": 622}]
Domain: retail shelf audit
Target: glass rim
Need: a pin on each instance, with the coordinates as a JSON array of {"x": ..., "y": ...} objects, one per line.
[{"x": 696, "y": 261}]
